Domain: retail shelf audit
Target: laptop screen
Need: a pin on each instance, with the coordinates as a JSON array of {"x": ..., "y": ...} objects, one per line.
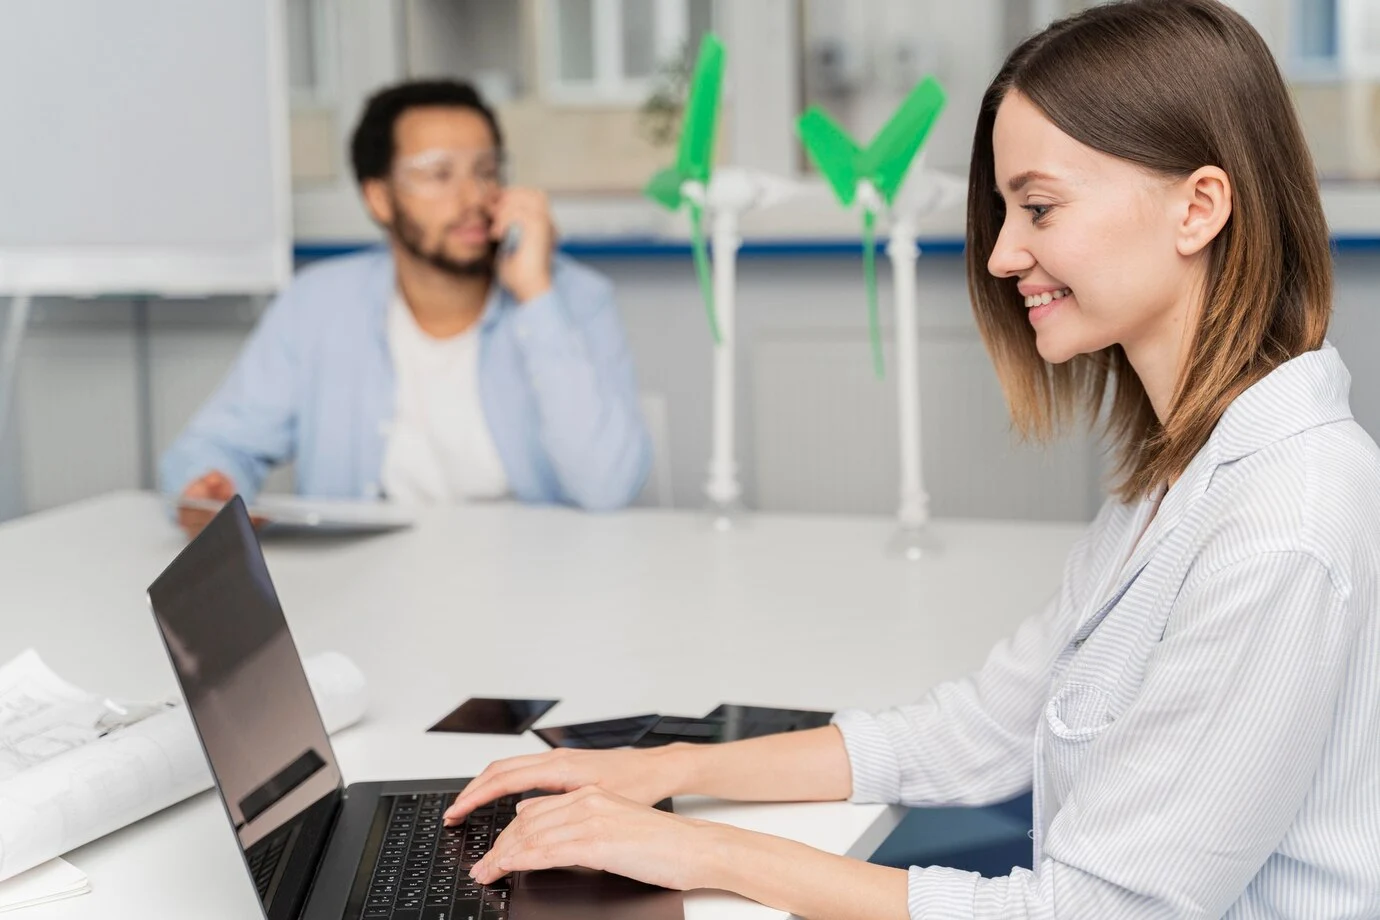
[{"x": 244, "y": 683}]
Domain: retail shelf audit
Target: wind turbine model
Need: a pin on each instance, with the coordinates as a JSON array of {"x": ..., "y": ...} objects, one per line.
[
  {"x": 726, "y": 193},
  {"x": 872, "y": 178}
]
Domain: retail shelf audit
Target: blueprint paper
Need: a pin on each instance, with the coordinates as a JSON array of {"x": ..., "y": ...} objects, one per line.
[{"x": 75, "y": 766}]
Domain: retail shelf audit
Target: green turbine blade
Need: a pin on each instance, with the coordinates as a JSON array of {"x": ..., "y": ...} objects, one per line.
[
  {"x": 832, "y": 151},
  {"x": 701, "y": 253},
  {"x": 664, "y": 189},
  {"x": 874, "y": 325},
  {"x": 887, "y": 159},
  {"x": 695, "y": 158}
]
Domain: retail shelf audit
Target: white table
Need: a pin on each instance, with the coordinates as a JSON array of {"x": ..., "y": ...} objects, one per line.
[{"x": 614, "y": 614}]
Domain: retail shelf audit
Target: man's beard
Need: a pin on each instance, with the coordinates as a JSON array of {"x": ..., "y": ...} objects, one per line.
[{"x": 411, "y": 235}]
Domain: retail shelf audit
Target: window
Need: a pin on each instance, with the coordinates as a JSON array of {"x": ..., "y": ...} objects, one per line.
[
  {"x": 1315, "y": 45},
  {"x": 312, "y": 89},
  {"x": 1334, "y": 40},
  {"x": 610, "y": 51},
  {"x": 1359, "y": 26},
  {"x": 310, "y": 39}
]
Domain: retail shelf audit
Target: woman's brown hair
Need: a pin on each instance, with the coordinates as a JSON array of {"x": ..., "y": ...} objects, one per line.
[{"x": 1170, "y": 85}]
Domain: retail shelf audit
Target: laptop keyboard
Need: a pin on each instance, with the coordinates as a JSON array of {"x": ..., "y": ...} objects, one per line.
[{"x": 423, "y": 867}]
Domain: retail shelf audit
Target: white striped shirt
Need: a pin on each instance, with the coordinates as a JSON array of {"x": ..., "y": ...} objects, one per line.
[{"x": 1199, "y": 722}]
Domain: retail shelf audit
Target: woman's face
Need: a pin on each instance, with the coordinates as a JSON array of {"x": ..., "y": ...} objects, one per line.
[{"x": 1093, "y": 243}]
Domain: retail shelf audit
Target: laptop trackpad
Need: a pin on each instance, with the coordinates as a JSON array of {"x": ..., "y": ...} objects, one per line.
[{"x": 582, "y": 894}]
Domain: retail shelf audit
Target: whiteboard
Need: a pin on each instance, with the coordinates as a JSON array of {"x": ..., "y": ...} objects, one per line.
[{"x": 144, "y": 147}]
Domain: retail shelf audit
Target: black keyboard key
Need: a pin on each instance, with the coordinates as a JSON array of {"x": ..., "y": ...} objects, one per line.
[{"x": 419, "y": 860}]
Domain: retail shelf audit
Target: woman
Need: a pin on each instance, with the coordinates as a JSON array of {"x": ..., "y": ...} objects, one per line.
[{"x": 1198, "y": 710}]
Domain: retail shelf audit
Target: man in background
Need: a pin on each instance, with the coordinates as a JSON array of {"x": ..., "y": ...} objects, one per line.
[{"x": 467, "y": 360}]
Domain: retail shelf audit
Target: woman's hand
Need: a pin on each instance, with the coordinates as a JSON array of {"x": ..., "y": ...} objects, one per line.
[
  {"x": 642, "y": 776},
  {"x": 597, "y": 829}
]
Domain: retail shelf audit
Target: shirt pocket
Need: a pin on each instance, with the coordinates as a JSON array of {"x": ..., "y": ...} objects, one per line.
[{"x": 1074, "y": 718}]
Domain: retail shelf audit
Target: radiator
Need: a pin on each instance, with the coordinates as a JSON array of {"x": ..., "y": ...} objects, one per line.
[{"x": 825, "y": 433}]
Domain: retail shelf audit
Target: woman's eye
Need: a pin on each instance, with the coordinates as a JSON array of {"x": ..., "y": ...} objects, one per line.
[{"x": 1037, "y": 212}]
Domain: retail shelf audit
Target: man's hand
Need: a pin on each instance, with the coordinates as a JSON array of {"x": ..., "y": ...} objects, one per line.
[
  {"x": 214, "y": 486},
  {"x": 527, "y": 271}
]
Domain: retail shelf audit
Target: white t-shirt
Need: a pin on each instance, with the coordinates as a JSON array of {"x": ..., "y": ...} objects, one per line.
[{"x": 439, "y": 446}]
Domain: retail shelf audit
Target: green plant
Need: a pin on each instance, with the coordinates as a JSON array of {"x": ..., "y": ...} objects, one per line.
[{"x": 659, "y": 117}]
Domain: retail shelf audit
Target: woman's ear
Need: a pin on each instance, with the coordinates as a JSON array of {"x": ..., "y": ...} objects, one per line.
[
  {"x": 1206, "y": 204},
  {"x": 378, "y": 201}
]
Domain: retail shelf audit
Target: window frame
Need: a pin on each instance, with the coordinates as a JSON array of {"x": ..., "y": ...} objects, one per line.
[{"x": 611, "y": 85}]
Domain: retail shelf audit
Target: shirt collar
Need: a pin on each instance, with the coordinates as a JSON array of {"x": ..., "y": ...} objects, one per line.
[
  {"x": 384, "y": 289},
  {"x": 1302, "y": 393},
  {"x": 497, "y": 301}
]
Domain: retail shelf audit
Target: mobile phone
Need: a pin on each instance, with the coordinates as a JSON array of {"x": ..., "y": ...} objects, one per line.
[{"x": 485, "y": 716}]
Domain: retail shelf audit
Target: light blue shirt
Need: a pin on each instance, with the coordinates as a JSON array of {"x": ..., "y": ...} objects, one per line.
[
  {"x": 1198, "y": 716},
  {"x": 315, "y": 384}
]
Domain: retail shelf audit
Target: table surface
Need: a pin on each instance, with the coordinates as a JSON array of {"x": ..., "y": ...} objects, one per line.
[{"x": 641, "y": 611}]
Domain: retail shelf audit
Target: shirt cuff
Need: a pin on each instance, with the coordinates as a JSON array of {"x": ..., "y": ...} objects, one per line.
[{"x": 876, "y": 771}]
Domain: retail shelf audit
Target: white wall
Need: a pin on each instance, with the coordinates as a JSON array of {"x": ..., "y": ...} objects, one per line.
[{"x": 77, "y": 414}]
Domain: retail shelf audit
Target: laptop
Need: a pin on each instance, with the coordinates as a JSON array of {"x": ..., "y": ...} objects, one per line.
[{"x": 314, "y": 848}]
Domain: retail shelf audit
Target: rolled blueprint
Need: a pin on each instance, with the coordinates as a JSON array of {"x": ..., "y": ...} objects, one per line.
[{"x": 89, "y": 790}]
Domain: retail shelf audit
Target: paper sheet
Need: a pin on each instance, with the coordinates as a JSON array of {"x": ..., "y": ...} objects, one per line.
[
  {"x": 74, "y": 767},
  {"x": 52, "y": 881}
]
